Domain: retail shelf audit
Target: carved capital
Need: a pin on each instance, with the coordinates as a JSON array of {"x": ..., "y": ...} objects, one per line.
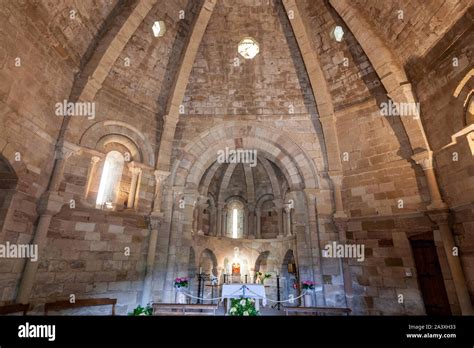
[
  {"x": 160, "y": 176},
  {"x": 134, "y": 169},
  {"x": 439, "y": 217},
  {"x": 424, "y": 159},
  {"x": 95, "y": 159},
  {"x": 67, "y": 150}
]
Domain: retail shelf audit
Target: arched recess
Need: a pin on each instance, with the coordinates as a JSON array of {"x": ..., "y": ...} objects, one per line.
[
  {"x": 208, "y": 262},
  {"x": 289, "y": 275},
  {"x": 279, "y": 147},
  {"x": 261, "y": 264},
  {"x": 123, "y": 133}
]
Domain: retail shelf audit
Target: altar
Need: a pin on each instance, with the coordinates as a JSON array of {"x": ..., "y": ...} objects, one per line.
[{"x": 255, "y": 291}]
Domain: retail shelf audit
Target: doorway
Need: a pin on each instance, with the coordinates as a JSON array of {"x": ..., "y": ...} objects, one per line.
[{"x": 430, "y": 277}]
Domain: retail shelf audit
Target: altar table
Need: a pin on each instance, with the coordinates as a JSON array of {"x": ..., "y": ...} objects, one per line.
[{"x": 257, "y": 292}]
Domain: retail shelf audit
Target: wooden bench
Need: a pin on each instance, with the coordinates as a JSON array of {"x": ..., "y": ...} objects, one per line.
[
  {"x": 14, "y": 308},
  {"x": 318, "y": 310},
  {"x": 63, "y": 305},
  {"x": 184, "y": 309}
]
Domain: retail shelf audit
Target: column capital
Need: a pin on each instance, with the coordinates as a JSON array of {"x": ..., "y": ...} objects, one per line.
[
  {"x": 134, "y": 169},
  {"x": 424, "y": 159},
  {"x": 439, "y": 216},
  {"x": 67, "y": 150},
  {"x": 336, "y": 177},
  {"x": 161, "y": 176},
  {"x": 95, "y": 159}
]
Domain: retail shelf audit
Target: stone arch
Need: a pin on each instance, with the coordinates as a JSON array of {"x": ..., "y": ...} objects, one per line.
[
  {"x": 208, "y": 259},
  {"x": 289, "y": 277},
  {"x": 261, "y": 262},
  {"x": 272, "y": 143},
  {"x": 121, "y": 132}
]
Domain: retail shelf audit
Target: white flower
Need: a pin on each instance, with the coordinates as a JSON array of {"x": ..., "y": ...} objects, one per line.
[
  {"x": 233, "y": 310},
  {"x": 246, "y": 314},
  {"x": 243, "y": 302}
]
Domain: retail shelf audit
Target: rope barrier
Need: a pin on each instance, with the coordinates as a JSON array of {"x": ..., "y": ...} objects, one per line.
[{"x": 243, "y": 287}]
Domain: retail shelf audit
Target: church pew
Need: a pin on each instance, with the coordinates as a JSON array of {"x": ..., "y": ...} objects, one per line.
[
  {"x": 14, "y": 308},
  {"x": 184, "y": 309},
  {"x": 317, "y": 310},
  {"x": 63, "y": 305}
]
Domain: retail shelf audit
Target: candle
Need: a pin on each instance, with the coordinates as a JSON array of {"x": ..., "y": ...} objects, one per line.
[{"x": 200, "y": 270}]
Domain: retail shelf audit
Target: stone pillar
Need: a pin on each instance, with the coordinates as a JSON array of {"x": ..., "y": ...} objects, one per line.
[
  {"x": 440, "y": 217},
  {"x": 224, "y": 222},
  {"x": 219, "y": 220},
  {"x": 136, "y": 171},
  {"x": 258, "y": 224},
  {"x": 160, "y": 177},
  {"x": 425, "y": 160},
  {"x": 154, "y": 224},
  {"x": 279, "y": 211},
  {"x": 288, "y": 219},
  {"x": 91, "y": 174},
  {"x": 49, "y": 205},
  {"x": 250, "y": 221},
  {"x": 336, "y": 178},
  {"x": 62, "y": 156},
  {"x": 341, "y": 227}
]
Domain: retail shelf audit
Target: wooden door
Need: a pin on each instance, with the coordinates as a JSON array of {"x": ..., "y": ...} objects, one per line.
[{"x": 430, "y": 277}]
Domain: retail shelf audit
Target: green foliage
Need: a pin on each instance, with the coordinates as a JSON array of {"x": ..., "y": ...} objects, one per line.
[
  {"x": 148, "y": 310},
  {"x": 243, "y": 307}
]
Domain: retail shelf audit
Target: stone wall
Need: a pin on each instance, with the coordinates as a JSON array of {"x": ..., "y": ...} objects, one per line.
[{"x": 443, "y": 89}]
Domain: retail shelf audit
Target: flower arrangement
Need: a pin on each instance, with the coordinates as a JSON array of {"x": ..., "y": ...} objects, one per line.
[
  {"x": 139, "y": 310},
  {"x": 181, "y": 283},
  {"x": 308, "y": 285},
  {"x": 261, "y": 276},
  {"x": 243, "y": 307}
]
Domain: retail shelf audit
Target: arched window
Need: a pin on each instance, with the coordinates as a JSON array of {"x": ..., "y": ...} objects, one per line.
[
  {"x": 235, "y": 220},
  {"x": 235, "y": 227},
  {"x": 110, "y": 179}
]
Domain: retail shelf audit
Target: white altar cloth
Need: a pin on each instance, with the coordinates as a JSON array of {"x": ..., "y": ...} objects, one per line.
[{"x": 256, "y": 291}]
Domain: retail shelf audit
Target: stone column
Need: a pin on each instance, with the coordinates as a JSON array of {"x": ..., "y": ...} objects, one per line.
[
  {"x": 258, "y": 224},
  {"x": 425, "y": 160},
  {"x": 336, "y": 178},
  {"x": 160, "y": 177},
  {"x": 224, "y": 222},
  {"x": 154, "y": 224},
  {"x": 250, "y": 221},
  {"x": 279, "y": 211},
  {"x": 219, "y": 220},
  {"x": 49, "y": 205},
  {"x": 287, "y": 220},
  {"x": 440, "y": 217},
  {"x": 136, "y": 171},
  {"x": 91, "y": 174},
  {"x": 62, "y": 156},
  {"x": 341, "y": 227}
]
